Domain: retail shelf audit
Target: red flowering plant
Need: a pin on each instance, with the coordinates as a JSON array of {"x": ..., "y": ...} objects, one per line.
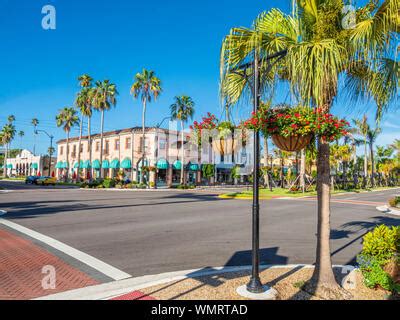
[{"x": 298, "y": 121}]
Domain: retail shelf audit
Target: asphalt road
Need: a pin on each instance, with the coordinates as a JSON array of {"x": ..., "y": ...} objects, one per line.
[{"x": 148, "y": 232}]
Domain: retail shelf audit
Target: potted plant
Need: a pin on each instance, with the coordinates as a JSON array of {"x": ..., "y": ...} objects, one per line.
[{"x": 292, "y": 129}]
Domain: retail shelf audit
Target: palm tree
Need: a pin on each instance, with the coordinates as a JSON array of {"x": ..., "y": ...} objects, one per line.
[
  {"x": 182, "y": 109},
  {"x": 35, "y": 123},
  {"x": 11, "y": 119},
  {"x": 362, "y": 129},
  {"x": 148, "y": 87},
  {"x": 396, "y": 146},
  {"x": 319, "y": 49},
  {"x": 7, "y": 135},
  {"x": 84, "y": 105},
  {"x": 67, "y": 118},
  {"x": 21, "y": 134},
  {"x": 372, "y": 135},
  {"x": 104, "y": 97}
]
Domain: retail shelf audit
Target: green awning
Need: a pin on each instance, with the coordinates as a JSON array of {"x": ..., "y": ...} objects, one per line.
[
  {"x": 114, "y": 164},
  {"x": 59, "y": 165},
  {"x": 9, "y": 166},
  {"x": 126, "y": 163},
  {"x": 65, "y": 165},
  {"x": 105, "y": 164},
  {"x": 193, "y": 166},
  {"x": 86, "y": 164},
  {"x": 78, "y": 166},
  {"x": 177, "y": 164},
  {"x": 162, "y": 164},
  {"x": 34, "y": 166},
  {"x": 96, "y": 164}
]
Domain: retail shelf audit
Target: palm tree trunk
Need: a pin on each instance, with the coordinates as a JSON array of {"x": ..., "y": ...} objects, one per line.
[
  {"x": 266, "y": 176},
  {"x": 67, "y": 168},
  {"x": 143, "y": 138},
  {"x": 79, "y": 148},
  {"x": 365, "y": 160},
  {"x": 5, "y": 162},
  {"x": 371, "y": 149},
  {"x": 303, "y": 170},
  {"x": 101, "y": 143},
  {"x": 198, "y": 173},
  {"x": 323, "y": 272},
  {"x": 90, "y": 150},
  {"x": 183, "y": 180}
]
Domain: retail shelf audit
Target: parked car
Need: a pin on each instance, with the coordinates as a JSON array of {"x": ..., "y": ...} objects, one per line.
[
  {"x": 45, "y": 181},
  {"x": 31, "y": 179}
]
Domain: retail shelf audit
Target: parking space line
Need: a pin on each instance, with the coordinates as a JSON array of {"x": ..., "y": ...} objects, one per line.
[{"x": 93, "y": 262}]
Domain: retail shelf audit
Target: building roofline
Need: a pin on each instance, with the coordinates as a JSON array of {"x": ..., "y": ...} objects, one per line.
[{"x": 114, "y": 132}]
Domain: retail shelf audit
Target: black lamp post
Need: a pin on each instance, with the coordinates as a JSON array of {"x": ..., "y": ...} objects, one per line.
[
  {"x": 254, "y": 285},
  {"x": 51, "y": 146}
]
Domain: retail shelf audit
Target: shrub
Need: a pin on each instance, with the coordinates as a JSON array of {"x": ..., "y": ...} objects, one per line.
[
  {"x": 109, "y": 183},
  {"x": 141, "y": 186},
  {"x": 381, "y": 247},
  {"x": 394, "y": 202}
]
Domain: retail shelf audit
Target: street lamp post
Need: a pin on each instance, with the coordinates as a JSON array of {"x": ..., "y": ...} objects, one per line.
[
  {"x": 254, "y": 288},
  {"x": 51, "y": 146}
]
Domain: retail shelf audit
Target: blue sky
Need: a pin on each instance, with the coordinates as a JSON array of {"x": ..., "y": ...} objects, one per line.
[{"x": 179, "y": 39}]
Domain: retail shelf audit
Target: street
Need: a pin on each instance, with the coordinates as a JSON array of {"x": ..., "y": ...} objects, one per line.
[{"x": 149, "y": 232}]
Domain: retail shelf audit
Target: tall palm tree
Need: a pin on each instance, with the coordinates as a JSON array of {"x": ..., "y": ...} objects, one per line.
[
  {"x": 362, "y": 129},
  {"x": 11, "y": 119},
  {"x": 7, "y": 134},
  {"x": 35, "y": 123},
  {"x": 104, "y": 98},
  {"x": 372, "y": 135},
  {"x": 319, "y": 49},
  {"x": 21, "y": 134},
  {"x": 84, "y": 105},
  {"x": 67, "y": 118},
  {"x": 148, "y": 87},
  {"x": 396, "y": 146},
  {"x": 182, "y": 109}
]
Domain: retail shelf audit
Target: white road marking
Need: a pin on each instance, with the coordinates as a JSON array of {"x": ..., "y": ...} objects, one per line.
[
  {"x": 2, "y": 212},
  {"x": 97, "y": 264}
]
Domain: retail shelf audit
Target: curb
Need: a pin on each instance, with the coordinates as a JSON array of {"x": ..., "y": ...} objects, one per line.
[
  {"x": 388, "y": 210},
  {"x": 115, "y": 289}
]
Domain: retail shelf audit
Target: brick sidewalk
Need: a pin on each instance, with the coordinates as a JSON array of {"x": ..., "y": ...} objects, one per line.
[{"x": 21, "y": 263}]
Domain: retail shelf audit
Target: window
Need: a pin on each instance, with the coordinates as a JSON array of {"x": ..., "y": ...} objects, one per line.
[
  {"x": 162, "y": 144},
  {"x": 74, "y": 150},
  {"x": 107, "y": 147},
  {"x": 127, "y": 143},
  {"x": 81, "y": 150},
  {"x": 61, "y": 150},
  {"x": 97, "y": 146},
  {"x": 116, "y": 145}
]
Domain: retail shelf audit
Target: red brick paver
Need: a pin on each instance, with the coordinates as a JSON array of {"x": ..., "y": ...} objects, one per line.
[
  {"x": 134, "y": 295},
  {"x": 21, "y": 263}
]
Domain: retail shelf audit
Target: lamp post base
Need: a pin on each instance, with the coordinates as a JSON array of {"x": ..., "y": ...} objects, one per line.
[{"x": 268, "y": 293}]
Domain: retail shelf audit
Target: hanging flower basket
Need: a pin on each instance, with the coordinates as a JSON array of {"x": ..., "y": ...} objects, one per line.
[
  {"x": 292, "y": 129},
  {"x": 291, "y": 143}
]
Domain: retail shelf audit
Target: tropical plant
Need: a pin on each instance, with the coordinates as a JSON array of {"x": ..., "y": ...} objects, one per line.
[
  {"x": 11, "y": 119},
  {"x": 148, "y": 87},
  {"x": 21, "y": 134},
  {"x": 396, "y": 147},
  {"x": 84, "y": 103},
  {"x": 362, "y": 129},
  {"x": 67, "y": 118},
  {"x": 315, "y": 49},
  {"x": 182, "y": 109},
  {"x": 104, "y": 97},
  {"x": 7, "y": 134}
]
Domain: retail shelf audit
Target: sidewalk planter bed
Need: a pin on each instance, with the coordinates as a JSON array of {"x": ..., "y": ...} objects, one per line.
[
  {"x": 380, "y": 258},
  {"x": 293, "y": 128}
]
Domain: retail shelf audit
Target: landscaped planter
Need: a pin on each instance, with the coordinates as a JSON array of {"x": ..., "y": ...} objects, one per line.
[{"x": 291, "y": 143}]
